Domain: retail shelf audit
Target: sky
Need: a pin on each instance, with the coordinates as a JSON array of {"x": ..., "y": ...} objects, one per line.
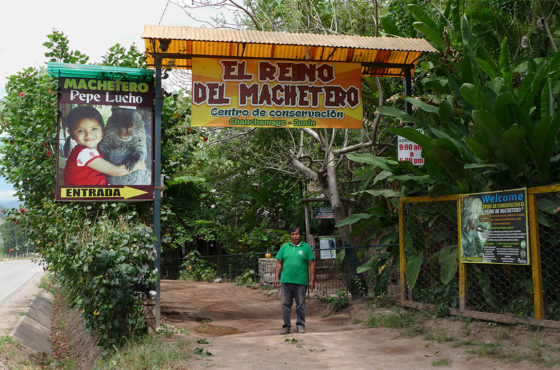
[{"x": 90, "y": 26}]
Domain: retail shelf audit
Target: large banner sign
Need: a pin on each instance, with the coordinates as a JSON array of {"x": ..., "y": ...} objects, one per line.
[
  {"x": 105, "y": 140},
  {"x": 271, "y": 93},
  {"x": 494, "y": 227}
]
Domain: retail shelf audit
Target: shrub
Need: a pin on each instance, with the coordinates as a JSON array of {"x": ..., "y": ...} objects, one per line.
[
  {"x": 338, "y": 301},
  {"x": 195, "y": 268},
  {"x": 107, "y": 269},
  {"x": 247, "y": 278}
]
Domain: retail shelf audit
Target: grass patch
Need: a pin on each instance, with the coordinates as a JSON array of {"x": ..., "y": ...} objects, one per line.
[
  {"x": 489, "y": 349},
  {"x": 384, "y": 321},
  {"x": 46, "y": 282},
  {"x": 531, "y": 352},
  {"x": 151, "y": 352},
  {"x": 167, "y": 331},
  {"x": 441, "y": 362},
  {"x": 466, "y": 330},
  {"x": 497, "y": 352},
  {"x": 413, "y": 331},
  {"x": 502, "y": 333},
  {"x": 10, "y": 350},
  {"x": 409, "y": 323},
  {"x": 397, "y": 321},
  {"x": 440, "y": 335},
  {"x": 464, "y": 343},
  {"x": 538, "y": 343},
  {"x": 14, "y": 356}
]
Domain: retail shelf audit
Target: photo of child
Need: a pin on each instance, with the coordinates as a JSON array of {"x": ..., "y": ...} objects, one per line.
[{"x": 85, "y": 164}]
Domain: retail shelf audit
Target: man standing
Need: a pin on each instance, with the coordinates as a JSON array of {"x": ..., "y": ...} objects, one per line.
[{"x": 295, "y": 269}]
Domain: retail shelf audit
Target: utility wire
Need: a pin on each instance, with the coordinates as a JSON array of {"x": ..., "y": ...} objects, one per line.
[{"x": 163, "y": 13}]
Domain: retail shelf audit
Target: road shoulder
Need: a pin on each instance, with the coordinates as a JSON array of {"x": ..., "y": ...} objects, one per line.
[{"x": 16, "y": 306}]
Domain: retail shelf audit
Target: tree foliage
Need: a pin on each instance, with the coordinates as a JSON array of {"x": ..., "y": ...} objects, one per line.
[{"x": 489, "y": 115}]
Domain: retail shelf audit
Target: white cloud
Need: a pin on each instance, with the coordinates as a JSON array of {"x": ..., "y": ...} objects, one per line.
[{"x": 7, "y": 196}]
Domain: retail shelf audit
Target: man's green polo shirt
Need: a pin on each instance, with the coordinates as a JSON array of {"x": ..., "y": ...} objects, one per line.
[{"x": 295, "y": 260}]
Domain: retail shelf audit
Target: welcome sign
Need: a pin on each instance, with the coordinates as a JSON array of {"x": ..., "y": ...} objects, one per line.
[
  {"x": 271, "y": 93},
  {"x": 494, "y": 227}
]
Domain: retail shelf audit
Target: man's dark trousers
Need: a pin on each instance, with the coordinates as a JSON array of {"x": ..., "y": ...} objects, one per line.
[{"x": 289, "y": 293}]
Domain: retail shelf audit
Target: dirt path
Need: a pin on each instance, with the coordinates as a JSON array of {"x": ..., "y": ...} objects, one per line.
[{"x": 242, "y": 327}]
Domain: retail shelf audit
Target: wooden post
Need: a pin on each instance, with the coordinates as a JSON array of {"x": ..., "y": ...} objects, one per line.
[
  {"x": 307, "y": 227},
  {"x": 535, "y": 257},
  {"x": 462, "y": 269},
  {"x": 408, "y": 91},
  {"x": 401, "y": 253}
]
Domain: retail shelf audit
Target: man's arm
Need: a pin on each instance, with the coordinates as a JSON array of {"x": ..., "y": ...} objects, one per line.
[
  {"x": 311, "y": 269},
  {"x": 279, "y": 265}
]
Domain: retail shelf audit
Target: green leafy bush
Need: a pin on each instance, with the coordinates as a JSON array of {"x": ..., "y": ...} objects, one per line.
[
  {"x": 247, "y": 278},
  {"x": 335, "y": 302},
  {"x": 195, "y": 268},
  {"x": 338, "y": 301},
  {"x": 107, "y": 267}
]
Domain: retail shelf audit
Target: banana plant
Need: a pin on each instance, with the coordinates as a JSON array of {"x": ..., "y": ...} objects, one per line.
[
  {"x": 487, "y": 124},
  {"x": 489, "y": 130}
]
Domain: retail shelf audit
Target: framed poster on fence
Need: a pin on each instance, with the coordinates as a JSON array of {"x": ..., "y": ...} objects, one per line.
[
  {"x": 493, "y": 228},
  {"x": 327, "y": 246}
]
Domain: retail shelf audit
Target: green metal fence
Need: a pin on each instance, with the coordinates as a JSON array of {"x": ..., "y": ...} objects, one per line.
[{"x": 332, "y": 274}]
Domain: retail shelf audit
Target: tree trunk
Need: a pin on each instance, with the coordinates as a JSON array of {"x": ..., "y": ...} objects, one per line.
[
  {"x": 325, "y": 177},
  {"x": 329, "y": 185}
]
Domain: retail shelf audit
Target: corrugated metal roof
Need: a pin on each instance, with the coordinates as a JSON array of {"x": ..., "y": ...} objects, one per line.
[{"x": 380, "y": 56}]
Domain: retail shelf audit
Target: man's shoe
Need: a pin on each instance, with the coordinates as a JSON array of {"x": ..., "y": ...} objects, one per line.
[
  {"x": 285, "y": 330},
  {"x": 300, "y": 329}
]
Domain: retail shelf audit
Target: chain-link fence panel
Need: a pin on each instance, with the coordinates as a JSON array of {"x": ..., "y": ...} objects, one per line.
[
  {"x": 548, "y": 205},
  {"x": 506, "y": 292},
  {"x": 430, "y": 240},
  {"x": 502, "y": 289}
]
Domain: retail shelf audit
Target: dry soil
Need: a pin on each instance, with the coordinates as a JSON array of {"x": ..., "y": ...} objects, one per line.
[{"x": 242, "y": 325}]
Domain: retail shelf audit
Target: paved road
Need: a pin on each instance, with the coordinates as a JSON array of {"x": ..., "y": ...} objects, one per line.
[{"x": 14, "y": 274}]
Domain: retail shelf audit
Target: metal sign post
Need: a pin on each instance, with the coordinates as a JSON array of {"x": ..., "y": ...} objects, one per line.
[{"x": 157, "y": 185}]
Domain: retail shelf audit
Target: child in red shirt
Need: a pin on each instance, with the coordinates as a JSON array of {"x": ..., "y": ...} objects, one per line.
[{"x": 85, "y": 165}]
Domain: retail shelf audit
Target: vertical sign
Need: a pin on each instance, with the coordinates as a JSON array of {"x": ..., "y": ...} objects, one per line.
[
  {"x": 494, "y": 227},
  {"x": 272, "y": 93},
  {"x": 409, "y": 151},
  {"x": 327, "y": 247},
  {"x": 105, "y": 140}
]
